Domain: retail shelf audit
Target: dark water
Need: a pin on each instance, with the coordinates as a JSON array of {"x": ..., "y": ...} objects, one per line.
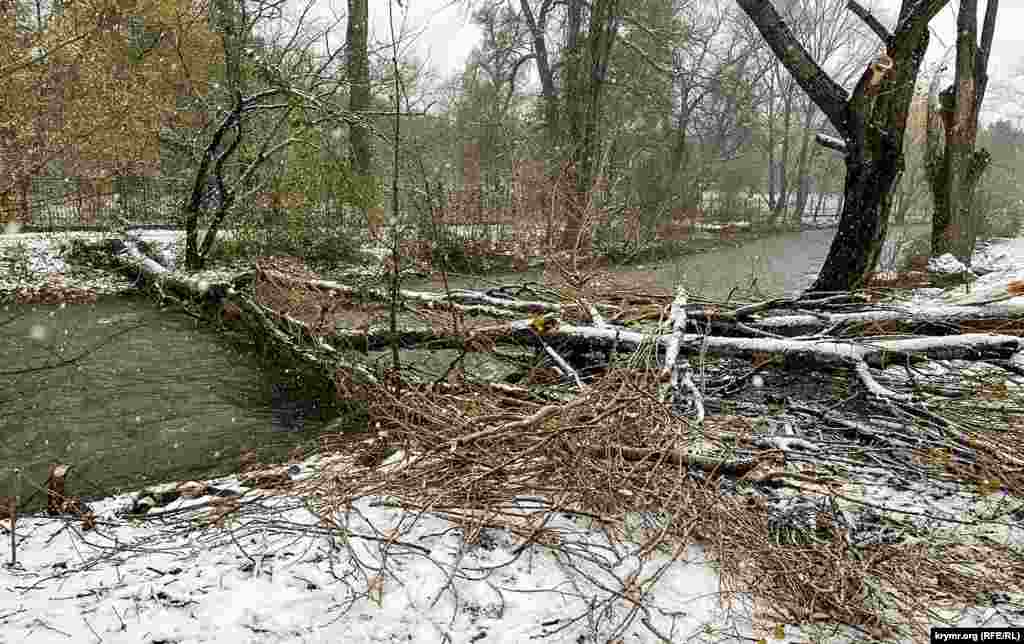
[
  {"x": 128, "y": 395},
  {"x": 773, "y": 266}
]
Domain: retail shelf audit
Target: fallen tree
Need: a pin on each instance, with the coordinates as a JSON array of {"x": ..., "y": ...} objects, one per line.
[{"x": 721, "y": 424}]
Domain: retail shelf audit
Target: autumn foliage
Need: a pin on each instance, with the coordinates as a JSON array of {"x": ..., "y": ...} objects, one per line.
[{"x": 89, "y": 88}]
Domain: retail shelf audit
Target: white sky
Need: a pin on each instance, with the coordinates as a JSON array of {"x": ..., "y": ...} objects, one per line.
[
  {"x": 447, "y": 37},
  {"x": 1006, "y": 63}
]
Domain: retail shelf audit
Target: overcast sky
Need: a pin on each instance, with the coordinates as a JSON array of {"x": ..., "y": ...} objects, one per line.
[{"x": 447, "y": 38}]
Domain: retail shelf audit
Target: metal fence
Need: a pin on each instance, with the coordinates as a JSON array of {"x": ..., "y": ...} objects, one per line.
[{"x": 51, "y": 203}]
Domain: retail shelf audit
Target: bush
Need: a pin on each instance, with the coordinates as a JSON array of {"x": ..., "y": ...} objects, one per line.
[{"x": 302, "y": 234}]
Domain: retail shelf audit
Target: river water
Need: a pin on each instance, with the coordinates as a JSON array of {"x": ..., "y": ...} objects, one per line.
[
  {"x": 777, "y": 265},
  {"x": 140, "y": 395},
  {"x": 128, "y": 395}
]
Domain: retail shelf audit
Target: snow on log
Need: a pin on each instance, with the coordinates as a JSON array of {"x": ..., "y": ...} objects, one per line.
[
  {"x": 296, "y": 344},
  {"x": 831, "y": 142},
  {"x": 461, "y": 297},
  {"x": 563, "y": 366},
  {"x": 678, "y": 371},
  {"x": 905, "y": 315}
]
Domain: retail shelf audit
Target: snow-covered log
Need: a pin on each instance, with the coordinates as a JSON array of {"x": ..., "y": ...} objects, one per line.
[
  {"x": 678, "y": 370},
  {"x": 289, "y": 336}
]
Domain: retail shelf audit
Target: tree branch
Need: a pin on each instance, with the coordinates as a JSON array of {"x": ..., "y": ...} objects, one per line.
[
  {"x": 988, "y": 31},
  {"x": 870, "y": 20},
  {"x": 825, "y": 92},
  {"x": 830, "y": 142}
]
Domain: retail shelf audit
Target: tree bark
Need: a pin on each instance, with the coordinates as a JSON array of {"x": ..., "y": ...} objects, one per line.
[
  {"x": 782, "y": 198},
  {"x": 538, "y": 26},
  {"x": 872, "y": 122},
  {"x": 586, "y": 73},
  {"x": 358, "y": 70},
  {"x": 954, "y": 173}
]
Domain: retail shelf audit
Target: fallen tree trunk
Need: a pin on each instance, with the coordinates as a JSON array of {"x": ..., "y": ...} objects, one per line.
[
  {"x": 287, "y": 338},
  {"x": 546, "y": 332}
]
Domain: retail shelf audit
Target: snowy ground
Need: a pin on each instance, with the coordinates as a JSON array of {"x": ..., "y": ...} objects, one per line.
[
  {"x": 271, "y": 573},
  {"x": 275, "y": 572},
  {"x": 34, "y": 261}
]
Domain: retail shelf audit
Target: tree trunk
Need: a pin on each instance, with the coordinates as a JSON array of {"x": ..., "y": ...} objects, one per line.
[
  {"x": 782, "y": 201},
  {"x": 538, "y": 27},
  {"x": 358, "y": 70},
  {"x": 872, "y": 122},
  {"x": 583, "y": 105},
  {"x": 679, "y": 159},
  {"x": 771, "y": 147},
  {"x": 954, "y": 173},
  {"x": 863, "y": 223},
  {"x": 804, "y": 159}
]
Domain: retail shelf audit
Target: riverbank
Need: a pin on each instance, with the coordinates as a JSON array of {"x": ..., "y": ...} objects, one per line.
[{"x": 34, "y": 265}]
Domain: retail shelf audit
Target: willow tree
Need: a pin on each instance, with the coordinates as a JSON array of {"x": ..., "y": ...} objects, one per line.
[{"x": 870, "y": 121}]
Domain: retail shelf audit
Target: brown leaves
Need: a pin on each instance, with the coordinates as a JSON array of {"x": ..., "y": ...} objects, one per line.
[
  {"x": 1015, "y": 287},
  {"x": 248, "y": 460},
  {"x": 220, "y": 508},
  {"x": 268, "y": 478},
  {"x": 93, "y": 102},
  {"x": 192, "y": 489},
  {"x": 55, "y": 498},
  {"x": 9, "y": 509},
  {"x": 760, "y": 359}
]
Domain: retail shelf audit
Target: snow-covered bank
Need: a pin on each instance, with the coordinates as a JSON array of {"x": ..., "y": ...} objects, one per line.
[
  {"x": 273, "y": 573},
  {"x": 271, "y": 570},
  {"x": 33, "y": 264}
]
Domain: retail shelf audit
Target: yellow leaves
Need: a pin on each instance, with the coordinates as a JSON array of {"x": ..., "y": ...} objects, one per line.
[
  {"x": 989, "y": 486},
  {"x": 543, "y": 324},
  {"x": 73, "y": 101},
  {"x": 936, "y": 457}
]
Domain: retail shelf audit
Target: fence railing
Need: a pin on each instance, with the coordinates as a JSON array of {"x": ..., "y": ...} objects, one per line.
[{"x": 52, "y": 203}]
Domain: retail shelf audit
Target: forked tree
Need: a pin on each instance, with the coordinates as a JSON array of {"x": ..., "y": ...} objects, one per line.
[
  {"x": 955, "y": 169},
  {"x": 871, "y": 122}
]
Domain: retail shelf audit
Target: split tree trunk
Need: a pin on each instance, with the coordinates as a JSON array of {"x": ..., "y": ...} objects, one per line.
[
  {"x": 871, "y": 121},
  {"x": 954, "y": 173}
]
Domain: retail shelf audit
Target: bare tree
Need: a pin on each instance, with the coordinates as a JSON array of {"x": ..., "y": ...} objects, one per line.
[
  {"x": 871, "y": 122},
  {"x": 286, "y": 79}
]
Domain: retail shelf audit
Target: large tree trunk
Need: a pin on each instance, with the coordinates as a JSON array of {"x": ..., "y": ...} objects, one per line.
[
  {"x": 863, "y": 224},
  {"x": 872, "y": 122}
]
